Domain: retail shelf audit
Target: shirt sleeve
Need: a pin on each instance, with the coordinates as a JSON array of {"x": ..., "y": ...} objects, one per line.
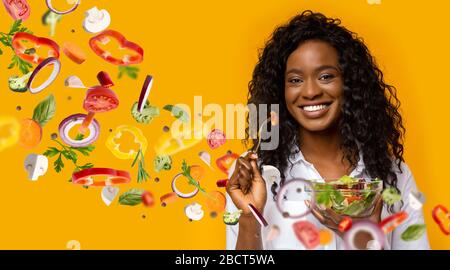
[{"x": 407, "y": 184}]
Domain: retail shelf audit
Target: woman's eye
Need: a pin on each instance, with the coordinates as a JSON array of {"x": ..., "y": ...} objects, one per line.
[
  {"x": 325, "y": 77},
  {"x": 295, "y": 80}
]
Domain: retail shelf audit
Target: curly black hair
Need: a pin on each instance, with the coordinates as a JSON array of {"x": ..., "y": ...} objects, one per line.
[{"x": 370, "y": 120}]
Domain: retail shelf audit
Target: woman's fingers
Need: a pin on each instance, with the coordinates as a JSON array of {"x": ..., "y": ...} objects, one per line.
[
  {"x": 333, "y": 216},
  {"x": 318, "y": 215},
  {"x": 331, "y": 220}
]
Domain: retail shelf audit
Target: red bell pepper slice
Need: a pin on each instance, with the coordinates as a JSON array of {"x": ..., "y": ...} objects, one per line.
[
  {"x": 17, "y": 9},
  {"x": 224, "y": 163},
  {"x": 443, "y": 222},
  {"x": 104, "y": 38},
  {"x": 345, "y": 224},
  {"x": 112, "y": 177},
  {"x": 36, "y": 42},
  {"x": 222, "y": 183},
  {"x": 390, "y": 223}
]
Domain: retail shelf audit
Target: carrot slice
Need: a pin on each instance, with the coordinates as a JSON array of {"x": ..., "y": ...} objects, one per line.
[
  {"x": 216, "y": 201},
  {"x": 30, "y": 133},
  {"x": 74, "y": 52},
  {"x": 168, "y": 198},
  {"x": 197, "y": 172},
  {"x": 86, "y": 122}
]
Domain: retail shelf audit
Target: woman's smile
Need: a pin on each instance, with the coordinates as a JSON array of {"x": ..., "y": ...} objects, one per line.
[{"x": 315, "y": 110}]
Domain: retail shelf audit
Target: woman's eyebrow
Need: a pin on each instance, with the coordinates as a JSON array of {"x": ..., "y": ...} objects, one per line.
[
  {"x": 319, "y": 69},
  {"x": 294, "y": 70}
]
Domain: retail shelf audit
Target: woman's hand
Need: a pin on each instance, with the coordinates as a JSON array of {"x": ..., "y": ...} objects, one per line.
[
  {"x": 246, "y": 185},
  {"x": 331, "y": 219}
]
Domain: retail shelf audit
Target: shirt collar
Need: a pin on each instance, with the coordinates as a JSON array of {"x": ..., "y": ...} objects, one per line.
[{"x": 298, "y": 157}]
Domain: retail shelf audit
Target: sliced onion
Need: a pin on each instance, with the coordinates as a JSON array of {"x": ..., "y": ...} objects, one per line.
[
  {"x": 145, "y": 92},
  {"x": 68, "y": 123},
  {"x": 295, "y": 190},
  {"x": 364, "y": 226},
  {"x": 50, "y": 6},
  {"x": 56, "y": 68},
  {"x": 258, "y": 215},
  {"x": 74, "y": 82},
  {"x": 179, "y": 193}
]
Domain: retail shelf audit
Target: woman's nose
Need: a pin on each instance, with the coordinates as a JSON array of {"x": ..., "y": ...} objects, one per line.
[{"x": 311, "y": 89}]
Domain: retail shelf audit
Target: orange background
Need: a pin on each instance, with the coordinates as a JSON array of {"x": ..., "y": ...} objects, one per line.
[{"x": 207, "y": 48}]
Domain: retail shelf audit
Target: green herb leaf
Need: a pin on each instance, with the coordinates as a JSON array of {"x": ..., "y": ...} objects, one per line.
[
  {"x": 86, "y": 166},
  {"x": 413, "y": 232},
  {"x": 79, "y": 137},
  {"x": 58, "y": 164},
  {"x": 131, "y": 197},
  {"x": 131, "y": 72},
  {"x": 187, "y": 173},
  {"x": 142, "y": 173},
  {"x": 86, "y": 150},
  {"x": 51, "y": 151},
  {"x": 70, "y": 155},
  {"x": 45, "y": 110}
]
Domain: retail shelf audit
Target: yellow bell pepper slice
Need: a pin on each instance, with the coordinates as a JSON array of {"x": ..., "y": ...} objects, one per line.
[
  {"x": 171, "y": 143},
  {"x": 114, "y": 146},
  {"x": 9, "y": 131}
]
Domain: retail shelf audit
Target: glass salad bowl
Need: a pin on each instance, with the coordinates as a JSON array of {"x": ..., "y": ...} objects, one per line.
[{"x": 353, "y": 197}]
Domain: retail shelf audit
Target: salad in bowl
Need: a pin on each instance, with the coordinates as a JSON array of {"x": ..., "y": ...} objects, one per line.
[{"x": 353, "y": 197}]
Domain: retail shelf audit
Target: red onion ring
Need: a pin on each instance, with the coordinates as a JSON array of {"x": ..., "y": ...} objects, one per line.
[
  {"x": 283, "y": 191},
  {"x": 56, "y": 68},
  {"x": 50, "y": 6},
  {"x": 258, "y": 215},
  {"x": 68, "y": 123},
  {"x": 146, "y": 87},
  {"x": 366, "y": 226},
  {"x": 179, "y": 193}
]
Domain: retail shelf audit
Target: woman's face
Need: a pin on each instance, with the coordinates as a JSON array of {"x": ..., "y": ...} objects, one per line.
[{"x": 313, "y": 85}]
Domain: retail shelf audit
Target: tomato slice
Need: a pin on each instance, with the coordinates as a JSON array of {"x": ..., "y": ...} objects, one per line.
[
  {"x": 17, "y": 9},
  {"x": 307, "y": 233},
  {"x": 111, "y": 177},
  {"x": 100, "y": 99}
]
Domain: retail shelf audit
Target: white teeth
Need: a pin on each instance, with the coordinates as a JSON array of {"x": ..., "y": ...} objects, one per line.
[{"x": 314, "y": 108}]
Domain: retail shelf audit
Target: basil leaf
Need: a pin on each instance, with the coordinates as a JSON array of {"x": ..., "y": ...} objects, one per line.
[
  {"x": 413, "y": 232},
  {"x": 45, "y": 110},
  {"x": 132, "y": 197}
]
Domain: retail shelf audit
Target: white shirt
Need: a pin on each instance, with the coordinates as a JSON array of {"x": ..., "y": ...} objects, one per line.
[{"x": 301, "y": 168}]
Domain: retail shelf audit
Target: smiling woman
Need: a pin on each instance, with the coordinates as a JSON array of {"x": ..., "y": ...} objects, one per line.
[{"x": 337, "y": 117}]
